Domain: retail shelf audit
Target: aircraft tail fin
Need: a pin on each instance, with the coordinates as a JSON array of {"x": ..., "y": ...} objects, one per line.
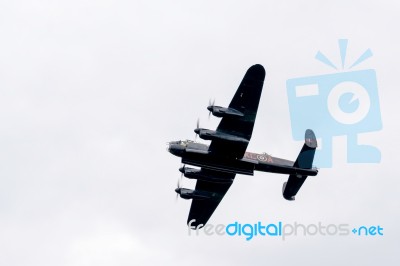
[{"x": 304, "y": 160}]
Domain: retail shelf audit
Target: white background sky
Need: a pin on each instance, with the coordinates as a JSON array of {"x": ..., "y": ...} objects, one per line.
[{"x": 90, "y": 92}]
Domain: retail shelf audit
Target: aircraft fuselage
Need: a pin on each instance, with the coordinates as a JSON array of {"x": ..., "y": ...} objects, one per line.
[{"x": 197, "y": 154}]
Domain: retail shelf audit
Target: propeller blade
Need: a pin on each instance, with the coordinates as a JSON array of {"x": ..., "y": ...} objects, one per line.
[
  {"x": 210, "y": 107},
  {"x": 197, "y": 127},
  {"x": 176, "y": 190},
  {"x": 182, "y": 170}
]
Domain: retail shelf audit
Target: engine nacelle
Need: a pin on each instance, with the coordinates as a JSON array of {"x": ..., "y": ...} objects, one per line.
[
  {"x": 207, "y": 134},
  {"x": 199, "y": 174},
  {"x": 186, "y": 193},
  {"x": 219, "y": 111}
]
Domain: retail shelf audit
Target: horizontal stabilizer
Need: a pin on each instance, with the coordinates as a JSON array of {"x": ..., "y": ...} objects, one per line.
[{"x": 304, "y": 160}]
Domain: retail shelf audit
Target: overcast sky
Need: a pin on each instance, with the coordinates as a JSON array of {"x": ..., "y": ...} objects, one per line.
[{"x": 91, "y": 91}]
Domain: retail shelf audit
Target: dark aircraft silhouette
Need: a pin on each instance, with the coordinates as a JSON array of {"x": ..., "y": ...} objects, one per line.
[{"x": 226, "y": 156}]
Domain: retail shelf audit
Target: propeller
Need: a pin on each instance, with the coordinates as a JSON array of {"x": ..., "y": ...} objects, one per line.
[
  {"x": 210, "y": 107},
  {"x": 197, "y": 130},
  {"x": 177, "y": 190},
  {"x": 182, "y": 170}
]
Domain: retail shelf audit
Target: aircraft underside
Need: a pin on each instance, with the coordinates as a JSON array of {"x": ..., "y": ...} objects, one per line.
[{"x": 226, "y": 156}]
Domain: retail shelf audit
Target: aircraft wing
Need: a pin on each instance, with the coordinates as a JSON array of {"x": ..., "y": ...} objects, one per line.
[
  {"x": 245, "y": 100},
  {"x": 202, "y": 209}
]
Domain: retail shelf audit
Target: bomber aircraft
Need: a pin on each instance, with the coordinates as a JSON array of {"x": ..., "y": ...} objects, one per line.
[{"x": 226, "y": 156}]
